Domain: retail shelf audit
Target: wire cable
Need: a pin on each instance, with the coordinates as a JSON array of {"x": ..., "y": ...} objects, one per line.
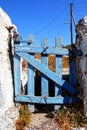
[
  {"x": 52, "y": 21},
  {"x": 73, "y": 1},
  {"x": 65, "y": 2},
  {"x": 80, "y": 2}
]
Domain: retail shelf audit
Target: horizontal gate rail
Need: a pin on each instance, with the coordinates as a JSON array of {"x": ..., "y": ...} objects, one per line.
[
  {"x": 41, "y": 50},
  {"x": 46, "y": 100}
]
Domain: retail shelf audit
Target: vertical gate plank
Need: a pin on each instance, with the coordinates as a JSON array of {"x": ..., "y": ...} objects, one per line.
[
  {"x": 31, "y": 84},
  {"x": 44, "y": 79},
  {"x": 17, "y": 80},
  {"x": 58, "y": 90}
]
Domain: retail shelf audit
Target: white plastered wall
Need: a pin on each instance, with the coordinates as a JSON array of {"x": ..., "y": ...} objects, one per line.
[{"x": 6, "y": 80}]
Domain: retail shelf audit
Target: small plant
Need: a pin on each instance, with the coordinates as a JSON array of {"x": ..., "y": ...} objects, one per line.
[
  {"x": 70, "y": 117},
  {"x": 24, "y": 117}
]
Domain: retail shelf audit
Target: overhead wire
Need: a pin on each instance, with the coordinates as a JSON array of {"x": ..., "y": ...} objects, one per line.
[
  {"x": 64, "y": 2},
  {"x": 79, "y": 8},
  {"x": 73, "y": 1},
  {"x": 80, "y": 2},
  {"x": 58, "y": 15},
  {"x": 52, "y": 21}
]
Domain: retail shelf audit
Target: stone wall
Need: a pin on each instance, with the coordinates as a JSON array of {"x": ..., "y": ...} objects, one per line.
[
  {"x": 81, "y": 62},
  {"x": 6, "y": 79}
]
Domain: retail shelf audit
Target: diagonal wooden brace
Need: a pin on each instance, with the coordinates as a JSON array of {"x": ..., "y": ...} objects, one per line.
[{"x": 43, "y": 69}]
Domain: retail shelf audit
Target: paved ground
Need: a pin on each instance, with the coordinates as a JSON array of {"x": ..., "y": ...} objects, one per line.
[{"x": 42, "y": 121}]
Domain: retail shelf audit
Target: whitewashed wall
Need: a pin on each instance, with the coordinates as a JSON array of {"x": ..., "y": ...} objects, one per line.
[
  {"x": 6, "y": 81},
  {"x": 81, "y": 42}
]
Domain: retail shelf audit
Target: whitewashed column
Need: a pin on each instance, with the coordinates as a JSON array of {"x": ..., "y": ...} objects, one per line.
[{"x": 6, "y": 80}]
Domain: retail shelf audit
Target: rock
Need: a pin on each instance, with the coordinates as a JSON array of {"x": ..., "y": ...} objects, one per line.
[
  {"x": 81, "y": 62},
  {"x": 5, "y": 122},
  {"x": 12, "y": 113}
]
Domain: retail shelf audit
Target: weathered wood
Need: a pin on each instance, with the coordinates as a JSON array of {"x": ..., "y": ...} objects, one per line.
[
  {"x": 58, "y": 68},
  {"x": 41, "y": 50},
  {"x": 44, "y": 60},
  {"x": 45, "y": 99},
  {"x": 17, "y": 80},
  {"x": 31, "y": 84},
  {"x": 44, "y": 79}
]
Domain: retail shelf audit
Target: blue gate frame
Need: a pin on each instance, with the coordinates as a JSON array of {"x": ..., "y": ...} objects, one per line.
[{"x": 26, "y": 50}]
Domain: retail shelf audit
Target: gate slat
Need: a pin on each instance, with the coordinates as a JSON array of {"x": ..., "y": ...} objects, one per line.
[
  {"x": 17, "y": 80},
  {"x": 31, "y": 84},
  {"x": 44, "y": 79},
  {"x": 58, "y": 90}
]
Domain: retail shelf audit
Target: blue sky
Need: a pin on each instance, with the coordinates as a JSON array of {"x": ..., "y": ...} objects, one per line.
[{"x": 44, "y": 18}]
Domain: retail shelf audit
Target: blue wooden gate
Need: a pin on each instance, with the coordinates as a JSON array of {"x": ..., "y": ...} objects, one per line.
[{"x": 26, "y": 50}]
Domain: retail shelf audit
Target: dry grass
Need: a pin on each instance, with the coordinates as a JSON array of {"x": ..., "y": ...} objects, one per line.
[
  {"x": 70, "y": 116},
  {"x": 24, "y": 117}
]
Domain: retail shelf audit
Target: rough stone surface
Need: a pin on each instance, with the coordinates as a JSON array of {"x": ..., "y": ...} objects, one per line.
[
  {"x": 6, "y": 79},
  {"x": 41, "y": 122},
  {"x": 81, "y": 42},
  {"x": 8, "y": 118},
  {"x": 6, "y": 82}
]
